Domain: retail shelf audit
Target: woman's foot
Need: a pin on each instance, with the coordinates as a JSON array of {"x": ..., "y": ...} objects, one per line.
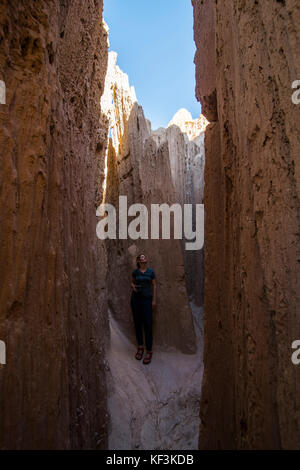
[
  {"x": 148, "y": 358},
  {"x": 140, "y": 353}
]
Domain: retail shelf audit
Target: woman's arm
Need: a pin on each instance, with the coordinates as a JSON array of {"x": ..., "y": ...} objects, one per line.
[
  {"x": 133, "y": 285},
  {"x": 154, "y": 292}
]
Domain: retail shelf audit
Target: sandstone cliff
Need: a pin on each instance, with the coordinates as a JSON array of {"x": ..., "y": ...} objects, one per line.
[
  {"x": 150, "y": 168},
  {"x": 185, "y": 139},
  {"x": 247, "y": 58},
  {"x": 53, "y": 60}
]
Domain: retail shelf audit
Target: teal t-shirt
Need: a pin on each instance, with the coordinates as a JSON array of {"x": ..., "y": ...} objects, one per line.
[{"x": 143, "y": 281}]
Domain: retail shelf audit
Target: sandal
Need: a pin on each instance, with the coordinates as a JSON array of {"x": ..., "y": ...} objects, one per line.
[
  {"x": 148, "y": 358},
  {"x": 139, "y": 354}
]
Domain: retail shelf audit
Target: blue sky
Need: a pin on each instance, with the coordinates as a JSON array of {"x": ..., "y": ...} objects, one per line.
[{"x": 155, "y": 46}]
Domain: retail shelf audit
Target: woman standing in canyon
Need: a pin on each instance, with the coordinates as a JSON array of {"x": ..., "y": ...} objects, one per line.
[{"x": 143, "y": 300}]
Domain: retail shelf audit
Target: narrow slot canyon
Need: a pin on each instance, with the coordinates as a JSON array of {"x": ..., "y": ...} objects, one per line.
[
  {"x": 74, "y": 138},
  {"x": 156, "y": 408}
]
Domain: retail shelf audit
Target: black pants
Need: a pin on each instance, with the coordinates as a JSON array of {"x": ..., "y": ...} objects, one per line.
[{"x": 142, "y": 316}]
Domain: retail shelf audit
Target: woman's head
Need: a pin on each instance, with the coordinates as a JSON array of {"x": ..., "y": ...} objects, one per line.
[{"x": 141, "y": 260}]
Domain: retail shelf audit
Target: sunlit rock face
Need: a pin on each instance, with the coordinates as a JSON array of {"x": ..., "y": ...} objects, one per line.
[
  {"x": 151, "y": 167},
  {"x": 117, "y": 102},
  {"x": 53, "y": 60},
  {"x": 246, "y": 61},
  {"x": 193, "y": 128},
  {"x": 184, "y": 138}
]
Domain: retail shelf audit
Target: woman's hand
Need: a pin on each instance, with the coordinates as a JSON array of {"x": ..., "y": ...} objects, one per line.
[{"x": 134, "y": 287}]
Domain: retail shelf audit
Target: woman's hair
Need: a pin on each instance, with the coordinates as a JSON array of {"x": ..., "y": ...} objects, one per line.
[{"x": 138, "y": 260}]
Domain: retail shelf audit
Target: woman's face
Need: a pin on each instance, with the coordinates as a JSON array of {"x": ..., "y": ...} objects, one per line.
[{"x": 143, "y": 259}]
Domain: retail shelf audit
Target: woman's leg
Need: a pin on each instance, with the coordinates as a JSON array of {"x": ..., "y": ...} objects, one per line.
[
  {"x": 138, "y": 319},
  {"x": 147, "y": 317}
]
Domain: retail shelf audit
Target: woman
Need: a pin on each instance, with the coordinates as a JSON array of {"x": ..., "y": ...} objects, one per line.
[{"x": 143, "y": 300}]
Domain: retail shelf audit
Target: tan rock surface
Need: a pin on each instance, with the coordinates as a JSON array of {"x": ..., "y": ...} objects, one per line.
[
  {"x": 250, "y": 395},
  {"x": 154, "y": 406},
  {"x": 53, "y": 60}
]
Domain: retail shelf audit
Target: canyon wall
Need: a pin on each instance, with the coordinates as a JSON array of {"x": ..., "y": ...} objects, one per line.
[
  {"x": 185, "y": 139},
  {"x": 53, "y": 319},
  {"x": 247, "y": 58},
  {"x": 151, "y": 168}
]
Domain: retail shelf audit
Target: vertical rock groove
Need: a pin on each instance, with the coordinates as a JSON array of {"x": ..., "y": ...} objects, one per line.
[
  {"x": 53, "y": 312},
  {"x": 246, "y": 61}
]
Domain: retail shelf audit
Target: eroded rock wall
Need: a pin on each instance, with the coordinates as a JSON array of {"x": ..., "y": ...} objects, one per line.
[
  {"x": 247, "y": 58},
  {"x": 185, "y": 139},
  {"x": 53, "y": 59},
  {"x": 143, "y": 167}
]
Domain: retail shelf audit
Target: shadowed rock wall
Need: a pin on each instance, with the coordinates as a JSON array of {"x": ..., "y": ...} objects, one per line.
[
  {"x": 53, "y": 59},
  {"x": 247, "y": 58}
]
